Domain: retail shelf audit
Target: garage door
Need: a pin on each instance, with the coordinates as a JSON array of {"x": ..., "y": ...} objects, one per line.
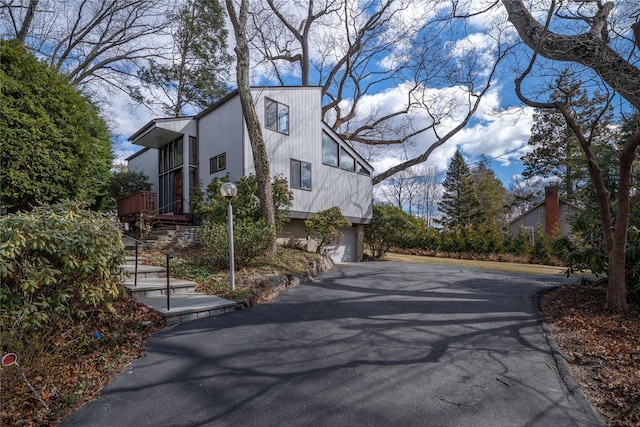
[{"x": 345, "y": 250}]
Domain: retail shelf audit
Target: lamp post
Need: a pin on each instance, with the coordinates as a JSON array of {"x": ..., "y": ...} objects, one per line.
[{"x": 229, "y": 190}]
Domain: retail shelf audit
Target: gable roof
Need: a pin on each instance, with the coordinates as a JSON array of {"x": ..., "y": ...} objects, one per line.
[{"x": 542, "y": 203}]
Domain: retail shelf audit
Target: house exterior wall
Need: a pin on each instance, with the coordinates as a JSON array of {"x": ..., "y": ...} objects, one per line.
[
  {"x": 536, "y": 219},
  {"x": 221, "y": 131},
  {"x": 146, "y": 161},
  {"x": 330, "y": 186}
]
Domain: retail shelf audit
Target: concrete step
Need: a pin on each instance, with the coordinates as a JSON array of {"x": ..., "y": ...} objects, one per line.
[
  {"x": 131, "y": 260},
  {"x": 157, "y": 286},
  {"x": 145, "y": 271},
  {"x": 183, "y": 308}
]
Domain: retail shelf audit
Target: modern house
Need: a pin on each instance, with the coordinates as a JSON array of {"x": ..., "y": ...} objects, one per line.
[
  {"x": 551, "y": 215},
  {"x": 322, "y": 169}
]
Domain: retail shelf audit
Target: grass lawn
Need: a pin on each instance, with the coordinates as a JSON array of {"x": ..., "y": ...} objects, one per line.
[{"x": 487, "y": 265}]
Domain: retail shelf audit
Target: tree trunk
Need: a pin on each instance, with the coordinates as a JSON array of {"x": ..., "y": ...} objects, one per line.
[
  {"x": 260, "y": 159},
  {"x": 26, "y": 23},
  {"x": 586, "y": 49},
  {"x": 591, "y": 50}
]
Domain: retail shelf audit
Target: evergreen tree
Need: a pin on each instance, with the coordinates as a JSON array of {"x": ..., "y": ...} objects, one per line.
[
  {"x": 492, "y": 196},
  {"x": 196, "y": 72},
  {"x": 54, "y": 144},
  {"x": 460, "y": 203},
  {"x": 556, "y": 151}
]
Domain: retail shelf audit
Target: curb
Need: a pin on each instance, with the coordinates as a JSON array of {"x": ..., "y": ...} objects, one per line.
[{"x": 562, "y": 366}]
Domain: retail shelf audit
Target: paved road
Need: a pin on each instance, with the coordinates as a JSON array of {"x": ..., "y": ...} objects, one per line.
[{"x": 369, "y": 344}]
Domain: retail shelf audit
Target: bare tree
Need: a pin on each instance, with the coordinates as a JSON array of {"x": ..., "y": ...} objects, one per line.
[
  {"x": 353, "y": 49},
  {"x": 258, "y": 148},
  {"x": 593, "y": 48},
  {"x": 91, "y": 41},
  {"x": 416, "y": 190}
]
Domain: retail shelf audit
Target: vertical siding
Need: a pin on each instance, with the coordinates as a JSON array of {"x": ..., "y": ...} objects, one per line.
[
  {"x": 147, "y": 163},
  {"x": 331, "y": 186},
  {"x": 221, "y": 131}
]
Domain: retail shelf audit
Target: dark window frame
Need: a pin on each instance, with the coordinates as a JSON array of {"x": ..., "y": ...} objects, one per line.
[
  {"x": 297, "y": 181},
  {"x": 274, "y": 123},
  {"x": 214, "y": 163}
]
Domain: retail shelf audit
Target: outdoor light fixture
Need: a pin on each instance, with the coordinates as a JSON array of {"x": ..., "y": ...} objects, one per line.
[{"x": 229, "y": 190}]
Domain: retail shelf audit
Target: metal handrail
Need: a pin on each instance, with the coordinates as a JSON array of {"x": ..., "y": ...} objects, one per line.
[
  {"x": 168, "y": 257},
  {"x": 185, "y": 206}
]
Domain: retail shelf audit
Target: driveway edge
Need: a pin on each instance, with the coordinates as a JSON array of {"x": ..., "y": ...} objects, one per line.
[{"x": 562, "y": 366}]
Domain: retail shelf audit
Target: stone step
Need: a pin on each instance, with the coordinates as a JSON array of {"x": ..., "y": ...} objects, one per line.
[
  {"x": 157, "y": 286},
  {"x": 145, "y": 271},
  {"x": 131, "y": 260},
  {"x": 183, "y": 308}
]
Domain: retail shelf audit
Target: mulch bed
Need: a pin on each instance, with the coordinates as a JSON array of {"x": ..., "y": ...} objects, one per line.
[{"x": 600, "y": 347}]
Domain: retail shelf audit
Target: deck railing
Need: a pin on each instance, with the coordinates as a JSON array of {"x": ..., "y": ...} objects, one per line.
[{"x": 142, "y": 201}]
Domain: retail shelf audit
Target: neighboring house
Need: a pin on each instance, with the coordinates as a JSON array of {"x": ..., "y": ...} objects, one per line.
[
  {"x": 322, "y": 169},
  {"x": 551, "y": 216}
]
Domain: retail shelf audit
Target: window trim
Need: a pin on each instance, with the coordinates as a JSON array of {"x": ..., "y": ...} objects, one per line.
[
  {"x": 337, "y": 144},
  {"x": 214, "y": 163},
  {"x": 276, "y": 124},
  {"x": 343, "y": 150},
  {"x": 299, "y": 168}
]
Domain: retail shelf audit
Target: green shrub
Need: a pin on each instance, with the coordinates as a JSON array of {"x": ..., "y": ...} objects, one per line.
[
  {"x": 250, "y": 240},
  {"x": 323, "y": 227},
  {"x": 211, "y": 206},
  {"x": 390, "y": 227},
  {"x": 57, "y": 262}
]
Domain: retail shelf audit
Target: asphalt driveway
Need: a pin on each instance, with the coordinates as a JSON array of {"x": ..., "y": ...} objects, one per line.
[{"x": 368, "y": 344}]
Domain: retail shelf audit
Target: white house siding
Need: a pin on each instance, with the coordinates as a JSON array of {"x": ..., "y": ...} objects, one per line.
[
  {"x": 330, "y": 186},
  {"x": 221, "y": 131},
  {"x": 183, "y": 125},
  {"x": 304, "y": 126},
  {"x": 146, "y": 161}
]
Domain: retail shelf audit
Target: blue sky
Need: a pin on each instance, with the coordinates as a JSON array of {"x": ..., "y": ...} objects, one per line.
[{"x": 500, "y": 129}]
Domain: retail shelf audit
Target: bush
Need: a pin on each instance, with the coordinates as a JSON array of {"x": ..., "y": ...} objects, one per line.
[
  {"x": 211, "y": 206},
  {"x": 323, "y": 227},
  {"x": 250, "y": 240},
  {"x": 390, "y": 227},
  {"x": 57, "y": 262}
]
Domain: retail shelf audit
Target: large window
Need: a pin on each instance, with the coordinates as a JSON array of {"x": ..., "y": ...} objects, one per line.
[
  {"x": 329, "y": 150},
  {"x": 193, "y": 150},
  {"x": 218, "y": 163},
  {"x": 276, "y": 116},
  {"x": 171, "y": 155},
  {"x": 300, "y": 175},
  {"x": 170, "y": 177}
]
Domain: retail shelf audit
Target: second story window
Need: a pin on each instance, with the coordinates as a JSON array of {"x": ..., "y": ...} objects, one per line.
[
  {"x": 276, "y": 116},
  {"x": 329, "y": 151},
  {"x": 347, "y": 162},
  {"x": 218, "y": 163}
]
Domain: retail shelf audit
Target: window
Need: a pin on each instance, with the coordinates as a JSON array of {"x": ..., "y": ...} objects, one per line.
[
  {"x": 300, "y": 175},
  {"x": 276, "y": 116},
  {"x": 170, "y": 155},
  {"x": 193, "y": 150},
  {"x": 329, "y": 151},
  {"x": 347, "y": 162},
  {"x": 218, "y": 163},
  {"x": 362, "y": 170}
]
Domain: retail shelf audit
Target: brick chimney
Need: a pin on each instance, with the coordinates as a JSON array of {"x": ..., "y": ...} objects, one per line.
[{"x": 551, "y": 211}]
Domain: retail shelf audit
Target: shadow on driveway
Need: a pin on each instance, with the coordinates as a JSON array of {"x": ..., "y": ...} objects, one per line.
[{"x": 368, "y": 344}]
